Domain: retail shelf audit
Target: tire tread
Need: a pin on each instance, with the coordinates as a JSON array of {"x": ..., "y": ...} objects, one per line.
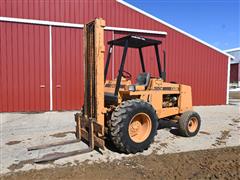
[{"x": 117, "y": 122}]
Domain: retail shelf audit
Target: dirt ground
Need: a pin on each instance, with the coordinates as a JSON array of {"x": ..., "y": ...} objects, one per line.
[
  {"x": 222, "y": 163},
  {"x": 169, "y": 157}
]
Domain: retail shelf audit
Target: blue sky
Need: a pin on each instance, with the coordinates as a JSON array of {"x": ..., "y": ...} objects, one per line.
[{"x": 214, "y": 21}]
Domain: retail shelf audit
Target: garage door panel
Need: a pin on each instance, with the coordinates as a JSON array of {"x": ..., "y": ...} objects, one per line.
[
  {"x": 68, "y": 64},
  {"x": 67, "y": 68},
  {"x": 23, "y": 60}
]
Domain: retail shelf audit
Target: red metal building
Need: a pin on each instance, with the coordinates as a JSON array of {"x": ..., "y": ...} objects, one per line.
[
  {"x": 235, "y": 65},
  {"x": 41, "y": 65},
  {"x": 235, "y": 73}
]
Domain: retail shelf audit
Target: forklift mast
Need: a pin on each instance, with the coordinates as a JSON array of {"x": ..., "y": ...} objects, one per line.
[{"x": 93, "y": 71}]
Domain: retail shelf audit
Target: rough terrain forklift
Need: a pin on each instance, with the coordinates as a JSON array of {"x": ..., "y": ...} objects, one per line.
[{"x": 126, "y": 114}]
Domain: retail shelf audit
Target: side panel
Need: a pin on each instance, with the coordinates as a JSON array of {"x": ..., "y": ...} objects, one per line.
[
  {"x": 234, "y": 75},
  {"x": 24, "y": 67},
  {"x": 185, "y": 99},
  {"x": 68, "y": 67},
  {"x": 68, "y": 86},
  {"x": 239, "y": 74}
]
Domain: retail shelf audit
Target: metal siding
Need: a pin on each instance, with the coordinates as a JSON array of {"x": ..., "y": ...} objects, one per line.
[
  {"x": 188, "y": 61},
  {"x": 238, "y": 72},
  {"x": 234, "y": 74},
  {"x": 108, "y": 35},
  {"x": 67, "y": 68},
  {"x": 68, "y": 73},
  {"x": 24, "y": 67}
]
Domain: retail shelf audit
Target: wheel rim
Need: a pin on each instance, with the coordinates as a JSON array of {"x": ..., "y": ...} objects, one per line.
[
  {"x": 140, "y": 127},
  {"x": 192, "y": 124}
]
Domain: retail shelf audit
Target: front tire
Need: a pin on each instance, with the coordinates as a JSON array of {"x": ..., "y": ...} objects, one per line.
[{"x": 133, "y": 126}]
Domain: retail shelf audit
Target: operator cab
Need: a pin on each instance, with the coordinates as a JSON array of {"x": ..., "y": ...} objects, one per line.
[{"x": 123, "y": 79}]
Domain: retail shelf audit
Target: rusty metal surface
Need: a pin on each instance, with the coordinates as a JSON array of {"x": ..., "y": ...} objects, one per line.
[
  {"x": 94, "y": 84},
  {"x": 90, "y": 71},
  {"x": 97, "y": 141}
]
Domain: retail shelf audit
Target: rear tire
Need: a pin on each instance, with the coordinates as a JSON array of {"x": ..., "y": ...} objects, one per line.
[
  {"x": 189, "y": 123},
  {"x": 133, "y": 126}
]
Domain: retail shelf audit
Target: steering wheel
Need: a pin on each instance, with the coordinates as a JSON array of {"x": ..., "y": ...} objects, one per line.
[{"x": 126, "y": 75}]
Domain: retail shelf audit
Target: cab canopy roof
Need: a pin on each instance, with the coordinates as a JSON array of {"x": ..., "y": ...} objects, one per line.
[{"x": 134, "y": 41}]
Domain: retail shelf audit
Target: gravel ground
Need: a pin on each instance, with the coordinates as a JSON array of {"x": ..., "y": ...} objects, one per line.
[{"x": 220, "y": 128}]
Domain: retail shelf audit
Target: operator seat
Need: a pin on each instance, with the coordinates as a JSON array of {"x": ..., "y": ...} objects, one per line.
[{"x": 142, "y": 82}]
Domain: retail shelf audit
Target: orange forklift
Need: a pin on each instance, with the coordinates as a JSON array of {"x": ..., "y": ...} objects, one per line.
[{"x": 125, "y": 113}]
